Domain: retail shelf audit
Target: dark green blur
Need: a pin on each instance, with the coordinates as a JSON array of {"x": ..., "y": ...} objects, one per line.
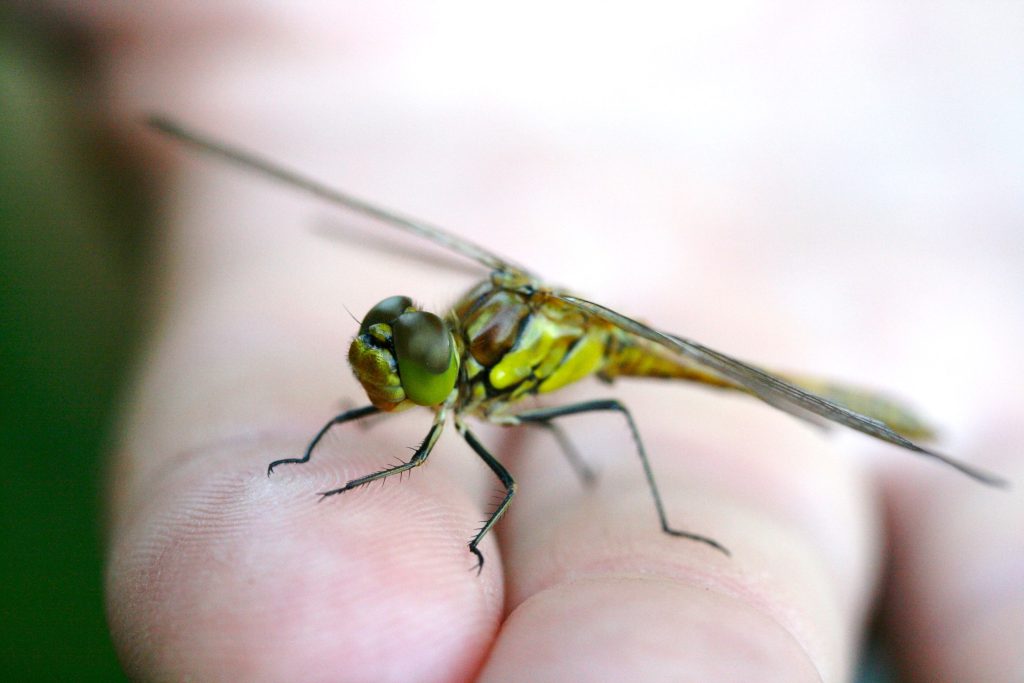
[{"x": 71, "y": 242}]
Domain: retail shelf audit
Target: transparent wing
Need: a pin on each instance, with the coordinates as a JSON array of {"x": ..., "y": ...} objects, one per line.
[
  {"x": 262, "y": 166},
  {"x": 774, "y": 390}
]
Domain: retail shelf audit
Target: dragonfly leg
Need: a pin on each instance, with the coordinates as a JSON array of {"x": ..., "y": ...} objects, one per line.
[
  {"x": 417, "y": 459},
  {"x": 347, "y": 416},
  {"x": 584, "y": 471},
  {"x": 506, "y": 480},
  {"x": 544, "y": 415}
]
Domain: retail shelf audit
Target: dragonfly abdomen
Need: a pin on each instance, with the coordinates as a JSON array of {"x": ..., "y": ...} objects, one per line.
[
  {"x": 629, "y": 357},
  {"x": 632, "y": 358}
]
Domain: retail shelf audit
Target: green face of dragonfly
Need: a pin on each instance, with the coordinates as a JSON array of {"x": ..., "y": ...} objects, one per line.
[{"x": 404, "y": 356}]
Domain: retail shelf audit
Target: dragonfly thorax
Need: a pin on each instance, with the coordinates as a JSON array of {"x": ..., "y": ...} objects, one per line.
[{"x": 404, "y": 356}]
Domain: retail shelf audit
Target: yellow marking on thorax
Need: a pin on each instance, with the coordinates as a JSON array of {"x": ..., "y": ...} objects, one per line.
[
  {"x": 533, "y": 345},
  {"x": 552, "y": 353},
  {"x": 586, "y": 357}
]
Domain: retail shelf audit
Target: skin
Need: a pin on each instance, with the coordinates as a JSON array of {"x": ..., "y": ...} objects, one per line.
[{"x": 217, "y": 572}]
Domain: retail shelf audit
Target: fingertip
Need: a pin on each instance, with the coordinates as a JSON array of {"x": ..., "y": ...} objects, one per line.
[
  {"x": 644, "y": 628},
  {"x": 217, "y": 573},
  {"x": 787, "y": 545}
]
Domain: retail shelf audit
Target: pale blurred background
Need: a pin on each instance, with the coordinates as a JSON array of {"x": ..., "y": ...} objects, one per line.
[{"x": 861, "y": 163}]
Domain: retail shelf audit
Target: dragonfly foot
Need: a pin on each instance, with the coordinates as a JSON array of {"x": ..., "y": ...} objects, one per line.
[
  {"x": 285, "y": 461},
  {"x": 700, "y": 539},
  {"x": 334, "y": 492},
  {"x": 479, "y": 559}
]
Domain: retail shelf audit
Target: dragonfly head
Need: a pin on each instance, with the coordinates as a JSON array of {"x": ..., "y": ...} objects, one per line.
[{"x": 404, "y": 356}]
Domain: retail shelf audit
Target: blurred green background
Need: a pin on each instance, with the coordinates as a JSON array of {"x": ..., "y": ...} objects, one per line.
[{"x": 72, "y": 227}]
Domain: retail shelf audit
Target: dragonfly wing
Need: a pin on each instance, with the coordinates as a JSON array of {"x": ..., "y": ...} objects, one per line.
[
  {"x": 774, "y": 390},
  {"x": 253, "y": 162}
]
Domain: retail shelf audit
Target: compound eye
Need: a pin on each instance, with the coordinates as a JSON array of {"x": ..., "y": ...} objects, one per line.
[
  {"x": 385, "y": 312},
  {"x": 427, "y": 362},
  {"x": 422, "y": 338}
]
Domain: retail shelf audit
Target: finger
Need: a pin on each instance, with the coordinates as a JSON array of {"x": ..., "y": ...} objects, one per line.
[
  {"x": 596, "y": 587},
  {"x": 218, "y": 572},
  {"x": 954, "y": 603}
]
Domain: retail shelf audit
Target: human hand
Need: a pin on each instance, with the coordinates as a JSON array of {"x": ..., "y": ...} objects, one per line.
[{"x": 220, "y": 573}]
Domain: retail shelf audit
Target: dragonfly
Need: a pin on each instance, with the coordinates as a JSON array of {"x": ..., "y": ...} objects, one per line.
[{"x": 512, "y": 337}]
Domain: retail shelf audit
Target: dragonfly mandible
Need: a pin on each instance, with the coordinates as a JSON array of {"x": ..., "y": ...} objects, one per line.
[{"x": 511, "y": 336}]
